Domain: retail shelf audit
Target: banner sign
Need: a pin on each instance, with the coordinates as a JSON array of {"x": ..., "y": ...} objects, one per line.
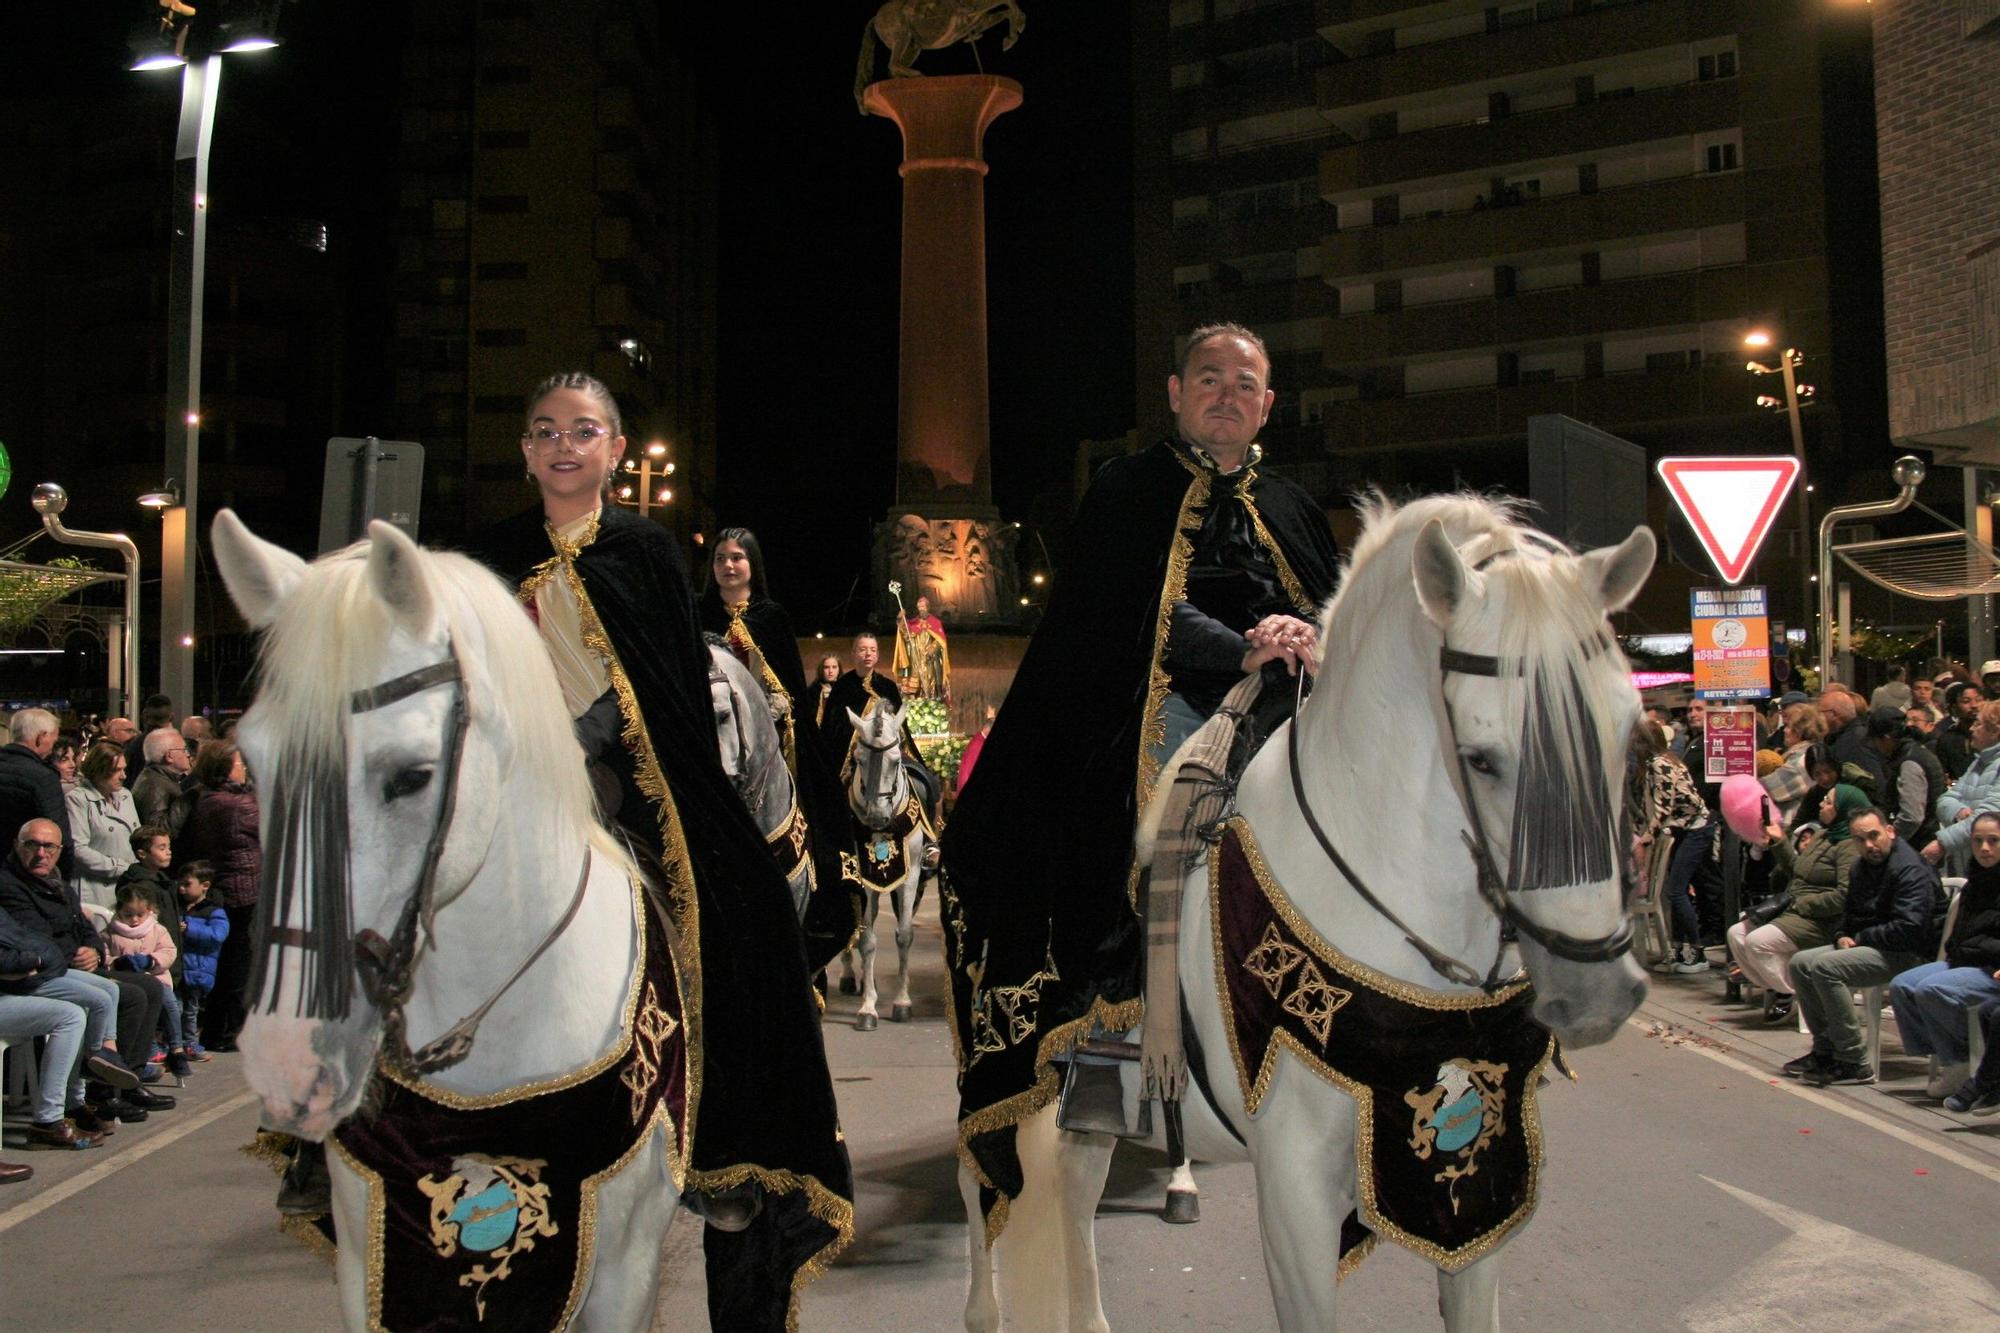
[
  {"x": 1731, "y": 746},
  {"x": 1732, "y": 643}
]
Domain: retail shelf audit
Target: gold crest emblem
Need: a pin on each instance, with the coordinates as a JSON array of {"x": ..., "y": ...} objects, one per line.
[
  {"x": 1458, "y": 1115},
  {"x": 490, "y": 1206}
]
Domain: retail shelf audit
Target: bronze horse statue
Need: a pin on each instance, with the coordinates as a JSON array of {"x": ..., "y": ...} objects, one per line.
[{"x": 909, "y": 27}]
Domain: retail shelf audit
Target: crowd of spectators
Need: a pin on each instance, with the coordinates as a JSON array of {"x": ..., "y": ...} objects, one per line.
[
  {"x": 129, "y": 879},
  {"x": 1878, "y": 810}
]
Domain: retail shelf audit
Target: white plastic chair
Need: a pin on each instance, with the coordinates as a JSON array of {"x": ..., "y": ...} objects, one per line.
[
  {"x": 1651, "y": 905},
  {"x": 1873, "y": 998}
]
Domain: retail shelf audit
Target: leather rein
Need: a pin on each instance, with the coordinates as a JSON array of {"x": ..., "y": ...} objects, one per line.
[
  {"x": 1492, "y": 888},
  {"x": 387, "y": 968}
]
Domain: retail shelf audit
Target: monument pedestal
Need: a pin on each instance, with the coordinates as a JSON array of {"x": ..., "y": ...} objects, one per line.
[{"x": 943, "y": 538}]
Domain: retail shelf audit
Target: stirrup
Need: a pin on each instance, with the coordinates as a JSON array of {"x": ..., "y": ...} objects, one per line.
[{"x": 1092, "y": 1100}]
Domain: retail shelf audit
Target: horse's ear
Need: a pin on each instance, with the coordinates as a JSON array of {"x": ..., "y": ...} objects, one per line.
[
  {"x": 1441, "y": 576},
  {"x": 396, "y": 572},
  {"x": 1620, "y": 571},
  {"x": 259, "y": 575},
  {"x": 854, "y": 720}
]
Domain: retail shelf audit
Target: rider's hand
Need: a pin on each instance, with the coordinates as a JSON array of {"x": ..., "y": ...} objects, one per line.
[{"x": 1284, "y": 639}]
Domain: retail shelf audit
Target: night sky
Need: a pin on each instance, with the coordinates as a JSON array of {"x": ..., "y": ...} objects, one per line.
[{"x": 809, "y": 215}]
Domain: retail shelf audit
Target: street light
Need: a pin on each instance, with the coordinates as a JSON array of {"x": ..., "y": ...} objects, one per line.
[
  {"x": 49, "y": 501},
  {"x": 642, "y": 475},
  {"x": 198, "y": 48},
  {"x": 1788, "y": 361}
]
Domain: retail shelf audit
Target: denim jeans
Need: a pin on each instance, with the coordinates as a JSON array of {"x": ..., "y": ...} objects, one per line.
[
  {"x": 99, "y": 1001},
  {"x": 25, "y": 1017},
  {"x": 1690, "y": 848},
  {"x": 1931, "y": 1004},
  {"x": 190, "y": 999},
  {"x": 170, "y": 1019},
  {"x": 1181, "y": 720}
]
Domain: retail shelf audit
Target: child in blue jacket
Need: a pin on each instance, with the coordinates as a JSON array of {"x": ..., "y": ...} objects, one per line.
[{"x": 205, "y": 926}]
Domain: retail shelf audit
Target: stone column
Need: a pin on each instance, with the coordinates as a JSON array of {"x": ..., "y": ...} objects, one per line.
[{"x": 942, "y": 434}]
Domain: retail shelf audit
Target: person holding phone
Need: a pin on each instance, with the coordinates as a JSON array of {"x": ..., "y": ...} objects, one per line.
[{"x": 1814, "y": 867}]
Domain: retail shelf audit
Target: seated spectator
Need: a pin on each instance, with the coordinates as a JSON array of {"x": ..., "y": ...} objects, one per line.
[
  {"x": 65, "y": 1030},
  {"x": 1669, "y": 806},
  {"x": 1802, "y": 729},
  {"x": 101, "y": 820},
  {"x": 1817, "y": 876},
  {"x": 1955, "y": 749},
  {"x": 154, "y": 851},
  {"x": 167, "y": 775},
  {"x": 1916, "y": 779},
  {"x": 29, "y": 786},
  {"x": 1981, "y": 1094},
  {"x": 204, "y": 926},
  {"x": 1889, "y": 925},
  {"x": 139, "y": 943},
  {"x": 1976, "y": 790},
  {"x": 1931, "y": 999},
  {"x": 41, "y": 905}
]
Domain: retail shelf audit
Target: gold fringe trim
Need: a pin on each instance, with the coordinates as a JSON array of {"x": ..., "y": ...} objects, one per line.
[
  {"x": 302, "y": 1230},
  {"x": 1152, "y": 726},
  {"x": 1293, "y": 588},
  {"x": 823, "y": 1203},
  {"x": 1352, "y": 1259},
  {"x": 271, "y": 1148}
]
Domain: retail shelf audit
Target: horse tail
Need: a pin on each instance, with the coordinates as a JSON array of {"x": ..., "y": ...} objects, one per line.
[{"x": 864, "y": 69}]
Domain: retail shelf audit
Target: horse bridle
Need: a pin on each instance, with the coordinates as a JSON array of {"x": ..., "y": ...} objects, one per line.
[
  {"x": 1492, "y": 889},
  {"x": 742, "y": 781},
  {"x": 894, "y": 744},
  {"x": 387, "y": 967}
]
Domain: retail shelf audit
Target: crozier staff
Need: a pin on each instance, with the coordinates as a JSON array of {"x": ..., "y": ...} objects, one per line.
[{"x": 611, "y": 597}]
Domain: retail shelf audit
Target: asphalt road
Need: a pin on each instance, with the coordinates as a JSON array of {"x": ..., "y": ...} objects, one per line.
[{"x": 1687, "y": 1187}]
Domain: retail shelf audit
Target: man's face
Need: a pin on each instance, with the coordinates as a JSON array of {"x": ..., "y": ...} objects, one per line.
[
  {"x": 1920, "y": 721},
  {"x": 1984, "y": 733},
  {"x": 1969, "y": 700},
  {"x": 1224, "y": 398},
  {"x": 1838, "y": 707},
  {"x": 866, "y": 654},
  {"x": 176, "y": 757},
  {"x": 37, "y": 848},
  {"x": 1877, "y": 839},
  {"x": 923, "y": 606},
  {"x": 1698, "y": 714},
  {"x": 120, "y": 731}
]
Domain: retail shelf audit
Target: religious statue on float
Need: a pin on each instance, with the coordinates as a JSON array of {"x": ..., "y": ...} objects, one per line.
[{"x": 923, "y": 658}]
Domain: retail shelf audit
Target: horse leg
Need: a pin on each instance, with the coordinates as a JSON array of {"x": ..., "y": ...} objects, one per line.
[
  {"x": 1469, "y": 1299},
  {"x": 1183, "y": 1199},
  {"x": 982, "y": 1305},
  {"x": 865, "y": 1019},
  {"x": 1302, "y": 1146},
  {"x": 1047, "y": 1256},
  {"x": 906, "y": 930},
  {"x": 350, "y": 1230},
  {"x": 903, "y": 57},
  {"x": 634, "y": 1210},
  {"x": 848, "y": 985}
]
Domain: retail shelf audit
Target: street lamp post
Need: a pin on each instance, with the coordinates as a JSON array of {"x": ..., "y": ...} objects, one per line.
[
  {"x": 49, "y": 501},
  {"x": 1757, "y": 340},
  {"x": 651, "y": 466}
]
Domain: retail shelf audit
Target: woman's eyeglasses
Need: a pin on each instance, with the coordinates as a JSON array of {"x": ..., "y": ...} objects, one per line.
[{"x": 583, "y": 438}]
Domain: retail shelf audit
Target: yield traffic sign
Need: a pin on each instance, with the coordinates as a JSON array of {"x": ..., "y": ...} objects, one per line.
[{"x": 1730, "y": 503}]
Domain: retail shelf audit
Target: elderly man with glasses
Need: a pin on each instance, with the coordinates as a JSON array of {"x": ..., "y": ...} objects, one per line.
[
  {"x": 46, "y": 911},
  {"x": 167, "y": 774}
]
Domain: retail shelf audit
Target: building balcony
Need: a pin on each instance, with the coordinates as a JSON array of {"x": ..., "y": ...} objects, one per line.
[
  {"x": 1491, "y": 57},
  {"x": 1263, "y": 304},
  {"x": 1255, "y": 234},
  {"x": 1566, "y": 223},
  {"x": 1376, "y": 425},
  {"x": 1210, "y": 103},
  {"x": 1588, "y": 128}
]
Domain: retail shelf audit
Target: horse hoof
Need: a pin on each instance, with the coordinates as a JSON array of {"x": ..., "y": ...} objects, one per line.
[
  {"x": 1183, "y": 1207},
  {"x": 866, "y": 1022},
  {"x": 849, "y": 986},
  {"x": 899, "y": 1013}
]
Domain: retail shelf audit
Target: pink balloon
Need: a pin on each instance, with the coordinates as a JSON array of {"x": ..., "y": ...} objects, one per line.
[{"x": 1743, "y": 800}]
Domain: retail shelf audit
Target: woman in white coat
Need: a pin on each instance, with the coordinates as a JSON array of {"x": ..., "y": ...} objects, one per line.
[{"x": 102, "y": 819}]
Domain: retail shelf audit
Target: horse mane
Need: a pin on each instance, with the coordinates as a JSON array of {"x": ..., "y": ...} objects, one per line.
[
  {"x": 326, "y": 641},
  {"x": 1537, "y": 615}
]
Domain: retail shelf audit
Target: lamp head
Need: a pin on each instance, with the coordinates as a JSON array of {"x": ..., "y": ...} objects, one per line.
[{"x": 50, "y": 499}]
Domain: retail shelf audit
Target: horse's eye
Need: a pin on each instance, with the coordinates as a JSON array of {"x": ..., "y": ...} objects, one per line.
[
  {"x": 1477, "y": 761},
  {"x": 406, "y": 783}
]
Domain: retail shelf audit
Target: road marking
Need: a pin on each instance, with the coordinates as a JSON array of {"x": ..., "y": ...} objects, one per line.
[
  {"x": 1838, "y": 1105},
  {"x": 77, "y": 1184}
]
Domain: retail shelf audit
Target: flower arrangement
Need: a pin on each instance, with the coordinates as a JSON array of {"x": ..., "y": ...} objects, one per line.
[
  {"x": 942, "y": 754},
  {"x": 927, "y": 717}
]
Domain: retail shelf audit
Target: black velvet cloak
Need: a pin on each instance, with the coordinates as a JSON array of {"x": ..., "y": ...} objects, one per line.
[
  {"x": 1041, "y": 933},
  {"x": 834, "y": 912},
  {"x": 761, "y": 1097}
]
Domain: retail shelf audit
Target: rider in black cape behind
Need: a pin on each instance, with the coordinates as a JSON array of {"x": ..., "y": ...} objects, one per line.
[
  {"x": 1042, "y": 934},
  {"x": 760, "y": 1092}
]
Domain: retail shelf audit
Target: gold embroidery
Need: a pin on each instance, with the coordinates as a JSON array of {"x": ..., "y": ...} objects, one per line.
[
  {"x": 1293, "y": 588},
  {"x": 481, "y": 1191},
  {"x": 1015, "y": 1004},
  {"x": 653, "y": 1029},
  {"x": 745, "y": 644},
  {"x": 1255, "y": 1087},
  {"x": 1314, "y": 1002},
  {"x": 1442, "y": 1108},
  {"x": 1272, "y": 959}
]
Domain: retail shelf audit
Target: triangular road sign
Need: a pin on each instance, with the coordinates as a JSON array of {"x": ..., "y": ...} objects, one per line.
[{"x": 1730, "y": 503}]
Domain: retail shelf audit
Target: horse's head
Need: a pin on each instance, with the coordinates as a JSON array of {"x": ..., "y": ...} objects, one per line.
[
  {"x": 384, "y": 760},
  {"x": 876, "y": 790},
  {"x": 1535, "y": 706},
  {"x": 746, "y": 734}
]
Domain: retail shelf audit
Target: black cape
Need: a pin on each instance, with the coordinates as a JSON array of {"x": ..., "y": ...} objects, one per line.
[
  {"x": 834, "y": 912},
  {"x": 1041, "y": 934},
  {"x": 763, "y": 1109},
  {"x": 836, "y": 733}
]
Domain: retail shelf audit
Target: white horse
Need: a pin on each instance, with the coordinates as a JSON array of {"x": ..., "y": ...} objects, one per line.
[
  {"x": 753, "y": 758},
  {"x": 882, "y": 801},
  {"x": 1440, "y": 590},
  {"x": 418, "y": 767}
]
